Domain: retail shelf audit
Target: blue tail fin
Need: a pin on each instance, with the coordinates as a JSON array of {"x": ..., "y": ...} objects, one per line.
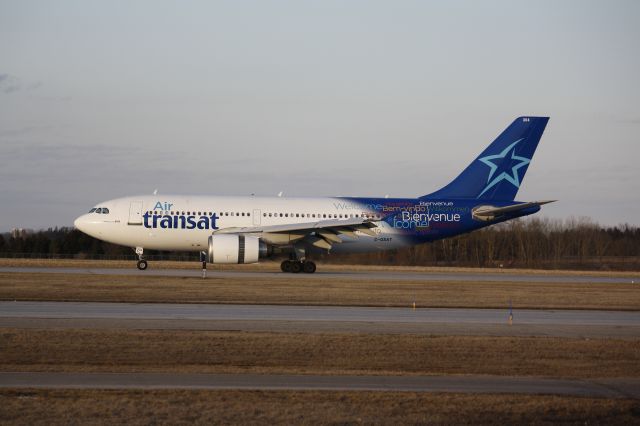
[{"x": 498, "y": 172}]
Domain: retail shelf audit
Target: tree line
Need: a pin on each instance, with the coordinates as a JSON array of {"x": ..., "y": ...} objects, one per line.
[
  {"x": 524, "y": 243},
  {"x": 530, "y": 243}
]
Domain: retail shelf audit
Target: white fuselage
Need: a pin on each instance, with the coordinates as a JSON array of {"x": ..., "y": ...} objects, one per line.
[{"x": 184, "y": 223}]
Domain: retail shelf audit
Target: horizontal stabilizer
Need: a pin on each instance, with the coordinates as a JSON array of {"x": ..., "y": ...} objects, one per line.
[{"x": 486, "y": 213}]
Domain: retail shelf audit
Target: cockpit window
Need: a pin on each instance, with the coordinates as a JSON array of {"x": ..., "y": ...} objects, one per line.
[
  {"x": 92, "y": 210},
  {"x": 99, "y": 210},
  {"x": 105, "y": 210}
]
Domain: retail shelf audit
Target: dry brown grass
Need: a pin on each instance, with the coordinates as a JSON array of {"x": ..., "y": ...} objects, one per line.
[
  {"x": 287, "y": 289},
  {"x": 137, "y": 407},
  {"x": 271, "y": 266},
  {"x": 327, "y": 353}
]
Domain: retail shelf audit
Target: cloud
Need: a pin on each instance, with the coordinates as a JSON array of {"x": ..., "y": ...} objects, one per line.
[
  {"x": 26, "y": 130},
  {"x": 10, "y": 84}
]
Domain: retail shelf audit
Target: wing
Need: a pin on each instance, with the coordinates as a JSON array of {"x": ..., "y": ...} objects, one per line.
[
  {"x": 486, "y": 213},
  {"x": 322, "y": 234}
]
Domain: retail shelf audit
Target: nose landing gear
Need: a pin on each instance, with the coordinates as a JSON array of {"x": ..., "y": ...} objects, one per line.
[{"x": 142, "y": 264}]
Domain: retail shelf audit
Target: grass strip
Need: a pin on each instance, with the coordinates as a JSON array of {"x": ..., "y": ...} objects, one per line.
[
  {"x": 318, "y": 353},
  {"x": 137, "y": 407},
  {"x": 319, "y": 291}
]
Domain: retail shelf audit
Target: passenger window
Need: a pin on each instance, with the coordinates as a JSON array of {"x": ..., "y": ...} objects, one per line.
[
  {"x": 264, "y": 214},
  {"x": 281, "y": 214},
  {"x": 248, "y": 214},
  {"x": 269, "y": 214},
  {"x": 286, "y": 215}
]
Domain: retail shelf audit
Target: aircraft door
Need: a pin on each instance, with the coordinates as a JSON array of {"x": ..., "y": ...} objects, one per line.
[
  {"x": 257, "y": 215},
  {"x": 135, "y": 213}
]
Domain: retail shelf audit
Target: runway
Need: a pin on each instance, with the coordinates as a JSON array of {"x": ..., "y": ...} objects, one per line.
[
  {"x": 561, "y": 323},
  {"x": 351, "y": 275},
  {"x": 309, "y": 313},
  {"x": 601, "y": 388}
]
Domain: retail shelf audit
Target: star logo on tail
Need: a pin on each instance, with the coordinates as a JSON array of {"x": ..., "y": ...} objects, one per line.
[{"x": 510, "y": 169}]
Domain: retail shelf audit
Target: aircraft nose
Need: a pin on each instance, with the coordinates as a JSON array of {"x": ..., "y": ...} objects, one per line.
[{"x": 80, "y": 223}]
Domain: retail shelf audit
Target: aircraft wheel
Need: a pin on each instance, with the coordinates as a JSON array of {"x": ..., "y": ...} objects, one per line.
[
  {"x": 296, "y": 267},
  {"x": 309, "y": 267},
  {"x": 142, "y": 265},
  {"x": 285, "y": 266}
]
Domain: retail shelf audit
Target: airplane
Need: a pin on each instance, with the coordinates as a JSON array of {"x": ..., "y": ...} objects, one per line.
[{"x": 245, "y": 229}]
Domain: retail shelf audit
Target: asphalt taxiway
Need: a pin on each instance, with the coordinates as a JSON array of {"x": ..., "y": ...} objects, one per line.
[
  {"x": 310, "y": 313},
  {"x": 351, "y": 275},
  {"x": 560, "y": 323},
  {"x": 601, "y": 388}
]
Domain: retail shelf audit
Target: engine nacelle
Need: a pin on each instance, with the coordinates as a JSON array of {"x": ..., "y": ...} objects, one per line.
[{"x": 229, "y": 248}]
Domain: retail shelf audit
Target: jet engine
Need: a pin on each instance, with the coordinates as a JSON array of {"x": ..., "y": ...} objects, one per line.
[{"x": 230, "y": 248}]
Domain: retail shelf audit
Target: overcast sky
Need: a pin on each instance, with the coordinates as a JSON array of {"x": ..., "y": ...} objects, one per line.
[{"x": 102, "y": 99}]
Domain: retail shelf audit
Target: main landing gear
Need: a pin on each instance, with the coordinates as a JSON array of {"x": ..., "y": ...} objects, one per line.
[
  {"x": 142, "y": 264},
  {"x": 297, "y": 261},
  {"x": 297, "y": 266}
]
